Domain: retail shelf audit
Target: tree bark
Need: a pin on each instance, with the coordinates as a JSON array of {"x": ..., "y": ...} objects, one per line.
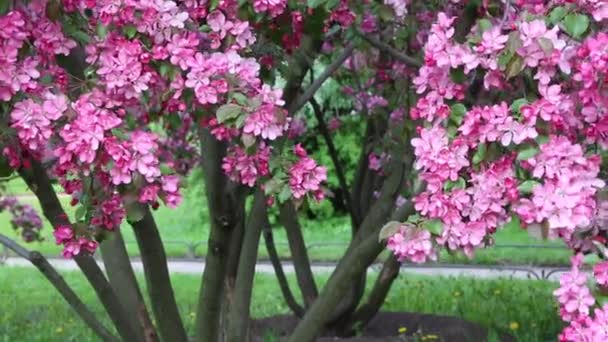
[
  {"x": 289, "y": 219},
  {"x": 62, "y": 287},
  {"x": 122, "y": 279},
  {"x": 238, "y": 321},
  {"x": 295, "y": 307},
  {"x": 221, "y": 204},
  {"x": 347, "y": 271},
  {"x": 386, "y": 277},
  {"x": 156, "y": 271},
  {"x": 39, "y": 183}
]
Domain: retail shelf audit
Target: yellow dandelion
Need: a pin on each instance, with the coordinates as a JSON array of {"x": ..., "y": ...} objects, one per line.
[
  {"x": 402, "y": 330},
  {"x": 496, "y": 292},
  {"x": 456, "y": 293},
  {"x": 431, "y": 337},
  {"x": 59, "y": 330},
  {"x": 514, "y": 326}
]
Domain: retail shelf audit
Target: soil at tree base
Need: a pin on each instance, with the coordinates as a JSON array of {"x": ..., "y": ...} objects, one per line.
[{"x": 385, "y": 327}]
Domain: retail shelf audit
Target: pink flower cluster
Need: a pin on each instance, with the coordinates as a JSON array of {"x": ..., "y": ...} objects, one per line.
[
  {"x": 72, "y": 244},
  {"x": 33, "y": 121},
  {"x": 573, "y": 294},
  {"x": 412, "y": 244},
  {"x": 566, "y": 198},
  {"x": 436, "y": 158},
  {"x": 495, "y": 124},
  {"x": 576, "y": 302},
  {"x": 246, "y": 169},
  {"x": 273, "y": 7},
  {"x": 305, "y": 176}
]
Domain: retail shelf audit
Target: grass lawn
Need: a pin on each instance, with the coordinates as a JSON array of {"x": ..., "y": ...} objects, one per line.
[
  {"x": 185, "y": 229},
  {"x": 31, "y": 309}
]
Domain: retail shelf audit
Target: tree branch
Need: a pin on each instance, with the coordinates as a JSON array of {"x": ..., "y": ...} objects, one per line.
[
  {"x": 347, "y": 271},
  {"x": 289, "y": 219},
  {"x": 333, "y": 153},
  {"x": 39, "y": 183},
  {"x": 122, "y": 279},
  {"x": 238, "y": 323},
  {"x": 62, "y": 287},
  {"x": 398, "y": 55},
  {"x": 296, "y": 308},
  {"x": 327, "y": 73},
  {"x": 164, "y": 306},
  {"x": 386, "y": 277}
]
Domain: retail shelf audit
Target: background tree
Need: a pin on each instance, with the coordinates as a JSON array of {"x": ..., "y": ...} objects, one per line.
[{"x": 467, "y": 113}]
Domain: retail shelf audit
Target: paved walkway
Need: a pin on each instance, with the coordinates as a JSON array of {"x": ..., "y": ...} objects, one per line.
[{"x": 478, "y": 271}]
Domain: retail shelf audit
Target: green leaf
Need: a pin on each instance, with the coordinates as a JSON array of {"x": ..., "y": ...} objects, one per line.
[
  {"x": 433, "y": 226},
  {"x": 80, "y": 36},
  {"x": 248, "y": 140},
  {"x": 389, "y": 229},
  {"x": 516, "y": 65},
  {"x": 165, "y": 169},
  {"x": 517, "y": 104},
  {"x": 81, "y": 211},
  {"x": 285, "y": 194},
  {"x": 165, "y": 69},
  {"x": 546, "y": 45},
  {"x": 527, "y": 186},
  {"x": 458, "y": 112},
  {"x": 272, "y": 186},
  {"x": 557, "y": 14},
  {"x": 240, "y": 99},
  {"x": 315, "y": 3},
  {"x": 576, "y": 24},
  {"x": 130, "y": 31},
  {"x": 541, "y": 139},
  {"x": 480, "y": 154},
  {"x": 458, "y": 75},
  {"x": 504, "y": 59},
  {"x": 514, "y": 42},
  {"x": 213, "y": 4},
  {"x": 484, "y": 25},
  {"x": 227, "y": 112},
  {"x": 102, "y": 31},
  {"x": 460, "y": 183},
  {"x": 527, "y": 153},
  {"x": 413, "y": 218},
  {"x": 386, "y": 13},
  {"x": 135, "y": 212}
]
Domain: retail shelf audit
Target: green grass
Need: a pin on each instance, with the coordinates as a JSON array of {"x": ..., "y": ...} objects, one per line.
[
  {"x": 185, "y": 229},
  {"x": 31, "y": 309}
]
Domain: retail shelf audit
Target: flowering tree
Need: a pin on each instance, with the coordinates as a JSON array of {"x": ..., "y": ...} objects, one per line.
[{"x": 475, "y": 112}]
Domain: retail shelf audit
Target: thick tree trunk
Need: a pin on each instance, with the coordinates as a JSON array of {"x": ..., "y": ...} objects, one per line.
[
  {"x": 386, "y": 277},
  {"x": 222, "y": 204},
  {"x": 162, "y": 298},
  {"x": 122, "y": 278},
  {"x": 289, "y": 219},
  {"x": 347, "y": 271},
  {"x": 238, "y": 321}
]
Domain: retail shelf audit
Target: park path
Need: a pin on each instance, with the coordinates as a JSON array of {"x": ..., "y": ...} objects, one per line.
[{"x": 196, "y": 267}]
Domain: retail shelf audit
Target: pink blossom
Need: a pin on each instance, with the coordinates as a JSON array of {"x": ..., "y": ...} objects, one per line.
[
  {"x": 268, "y": 122},
  {"x": 306, "y": 176},
  {"x": 573, "y": 295},
  {"x": 412, "y": 244},
  {"x": 63, "y": 234},
  {"x": 600, "y": 272}
]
